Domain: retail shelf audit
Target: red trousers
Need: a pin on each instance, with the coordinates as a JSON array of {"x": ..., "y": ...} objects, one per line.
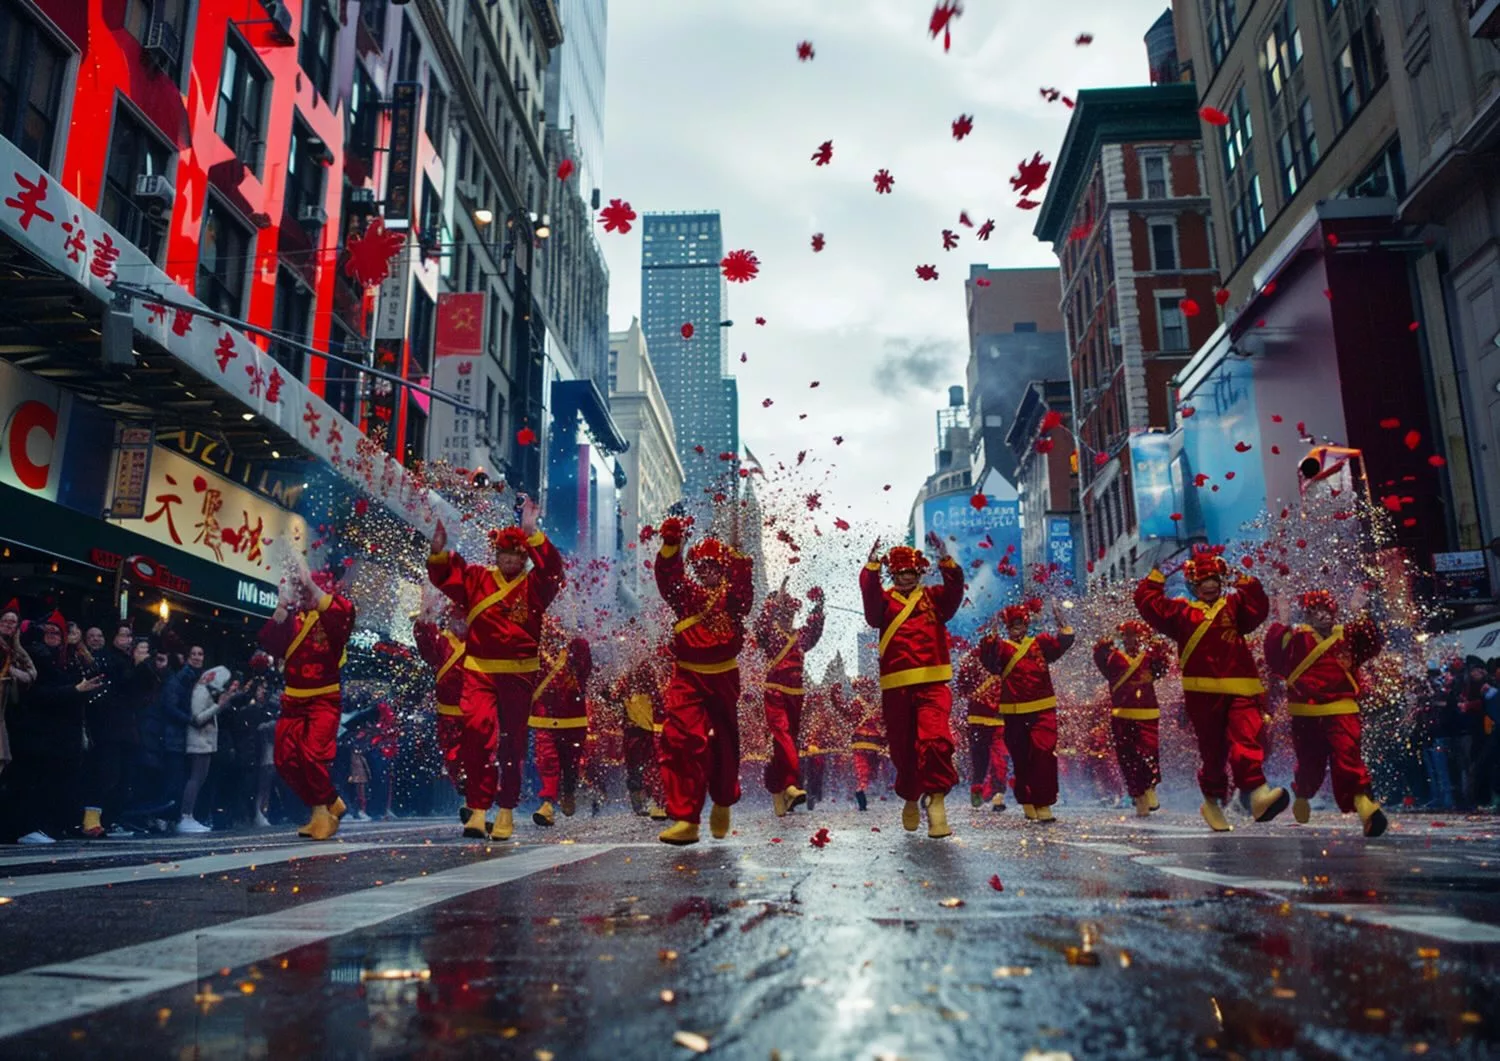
[
  {"x": 641, "y": 774},
  {"x": 305, "y": 743},
  {"x": 783, "y": 722},
  {"x": 1137, "y": 743},
  {"x": 700, "y": 742},
  {"x": 558, "y": 753},
  {"x": 1032, "y": 741},
  {"x": 1330, "y": 741},
  {"x": 986, "y": 759},
  {"x": 920, "y": 737},
  {"x": 866, "y": 768},
  {"x": 1227, "y": 728},
  {"x": 496, "y": 707},
  {"x": 450, "y": 730}
]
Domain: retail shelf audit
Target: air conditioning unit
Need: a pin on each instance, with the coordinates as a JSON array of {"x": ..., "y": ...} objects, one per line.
[
  {"x": 362, "y": 201},
  {"x": 154, "y": 192},
  {"x": 312, "y": 216},
  {"x": 161, "y": 45},
  {"x": 281, "y": 22},
  {"x": 1484, "y": 19}
]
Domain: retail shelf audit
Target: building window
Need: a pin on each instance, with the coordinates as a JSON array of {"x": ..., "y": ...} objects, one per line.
[
  {"x": 304, "y": 175},
  {"x": 33, "y": 68},
  {"x": 141, "y": 15},
  {"x": 319, "y": 32},
  {"x": 241, "y": 104},
  {"x": 291, "y": 318},
  {"x": 1283, "y": 50},
  {"x": 1360, "y": 68},
  {"x": 224, "y": 260},
  {"x": 1308, "y": 132},
  {"x": 423, "y": 313},
  {"x": 437, "y": 115},
  {"x": 1163, "y": 246},
  {"x": 410, "y": 68},
  {"x": 372, "y": 13},
  {"x": 1219, "y": 18},
  {"x": 1155, "y": 168},
  {"x": 1386, "y": 176},
  {"x": 340, "y": 381},
  {"x": 1238, "y": 133},
  {"x": 1289, "y": 163},
  {"x": 363, "y": 115},
  {"x": 1348, "y": 83},
  {"x": 135, "y": 152}
]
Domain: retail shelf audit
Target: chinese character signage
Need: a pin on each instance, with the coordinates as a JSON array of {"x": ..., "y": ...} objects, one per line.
[
  {"x": 403, "y": 158},
  {"x": 454, "y": 432},
  {"x": 1060, "y": 545},
  {"x": 192, "y": 509},
  {"x": 132, "y": 471}
]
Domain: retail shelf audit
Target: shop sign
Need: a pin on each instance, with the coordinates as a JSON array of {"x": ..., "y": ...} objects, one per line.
[
  {"x": 1461, "y": 576},
  {"x": 403, "y": 157},
  {"x": 142, "y": 570},
  {"x": 133, "y": 447},
  {"x": 453, "y": 432}
]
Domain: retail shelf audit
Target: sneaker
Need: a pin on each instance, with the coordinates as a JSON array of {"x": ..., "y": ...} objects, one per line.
[
  {"x": 192, "y": 825},
  {"x": 119, "y": 832},
  {"x": 262, "y": 822},
  {"x": 360, "y": 816},
  {"x": 37, "y": 837}
]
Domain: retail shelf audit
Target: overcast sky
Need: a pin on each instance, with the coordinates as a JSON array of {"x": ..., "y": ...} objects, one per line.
[{"x": 708, "y": 107}]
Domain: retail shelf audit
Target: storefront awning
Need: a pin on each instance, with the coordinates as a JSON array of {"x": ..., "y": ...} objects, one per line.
[{"x": 570, "y": 396}]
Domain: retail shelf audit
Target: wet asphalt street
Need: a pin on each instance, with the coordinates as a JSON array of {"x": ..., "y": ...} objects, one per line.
[{"x": 1100, "y": 937}]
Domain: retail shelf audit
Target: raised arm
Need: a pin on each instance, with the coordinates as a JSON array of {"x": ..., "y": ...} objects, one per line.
[
  {"x": 445, "y": 570},
  {"x": 741, "y": 575},
  {"x": 277, "y": 633},
  {"x": 812, "y": 630},
  {"x": 1104, "y": 651},
  {"x": 671, "y": 581},
  {"x": 547, "y": 565},
  {"x": 1151, "y": 600},
  {"x": 1365, "y": 639},
  {"x": 429, "y": 643},
  {"x": 338, "y": 617},
  {"x": 950, "y": 595},
  {"x": 1251, "y": 605},
  {"x": 872, "y": 594},
  {"x": 581, "y": 659},
  {"x": 1053, "y": 646},
  {"x": 993, "y": 653},
  {"x": 1276, "y": 646}
]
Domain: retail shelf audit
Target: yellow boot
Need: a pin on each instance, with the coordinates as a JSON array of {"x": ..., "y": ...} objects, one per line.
[
  {"x": 1371, "y": 817},
  {"x": 937, "y": 817},
  {"x": 1142, "y": 805},
  {"x": 337, "y": 808},
  {"x": 474, "y": 827},
  {"x": 568, "y": 805},
  {"x": 1301, "y": 810},
  {"x": 778, "y": 803},
  {"x": 656, "y": 812},
  {"x": 93, "y": 828},
  {"x": 324, "y": 823},
  {"x": 718, "y": 821},
  {"x": 505, "y": 824},
  {"x": 543, "y": 815},
  {"x": 1029, "y": 810},
  {"x": 1044, "y": 815},
  {"x": 1155, "y": 804},
  {"x": 794, "y": 796},
  {"x": 911, "y": 816},
  {"x": 1267, "y": 802},
  {"x": 679, "y": 834},
  {"x": 1214, "y": 815},
  {"x": 307, "y": 830}
]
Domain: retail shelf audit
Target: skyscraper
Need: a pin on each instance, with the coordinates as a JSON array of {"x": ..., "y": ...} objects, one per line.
[
  {"x": 574, "y": 88},
  {"x": 681, "y": 285}
]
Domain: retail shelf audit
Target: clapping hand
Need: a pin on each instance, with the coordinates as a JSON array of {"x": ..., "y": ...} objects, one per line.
[
  {"x": 875, "y": 552},
  {"x": 439, "y": 539}
]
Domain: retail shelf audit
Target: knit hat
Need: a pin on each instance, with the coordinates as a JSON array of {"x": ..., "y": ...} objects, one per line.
[{"x": 216, "y": 678}]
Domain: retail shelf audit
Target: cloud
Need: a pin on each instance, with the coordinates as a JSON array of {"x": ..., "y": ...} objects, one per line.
[{"x": 925, "y": 364}]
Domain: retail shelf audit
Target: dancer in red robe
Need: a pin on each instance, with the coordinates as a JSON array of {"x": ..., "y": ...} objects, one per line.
[
  {"x": 1131, "y": 668},
  {"x": 785, "y": 646}
]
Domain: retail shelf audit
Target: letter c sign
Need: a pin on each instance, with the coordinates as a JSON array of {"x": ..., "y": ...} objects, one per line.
[{"x": 29, "y": 416}]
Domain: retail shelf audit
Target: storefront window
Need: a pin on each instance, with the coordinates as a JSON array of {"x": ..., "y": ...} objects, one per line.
[{"x": 136, "y": 152}]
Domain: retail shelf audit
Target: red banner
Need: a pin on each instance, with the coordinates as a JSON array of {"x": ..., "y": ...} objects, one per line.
[{"x": 460, "y": 324}]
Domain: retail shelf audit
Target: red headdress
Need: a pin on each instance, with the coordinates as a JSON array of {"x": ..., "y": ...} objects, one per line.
[
  {"x": 709, "y": 549},
  {"x": 1319, "y": 598},
  {"x": 1135, "y": 626},
  {"x": 1015, "y": 613},
  {"x": 1207, "y": 561},
  {"x": 905, "y": 558},
  {"x": 56, "y": 619},
  {"x": 508, "y": 540},
  {"x": 325, "y": 580},
  {"x": 13, "y": 606}
]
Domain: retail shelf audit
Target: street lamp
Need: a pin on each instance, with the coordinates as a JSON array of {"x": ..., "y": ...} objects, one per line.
[{"x": 483, "y": 216}]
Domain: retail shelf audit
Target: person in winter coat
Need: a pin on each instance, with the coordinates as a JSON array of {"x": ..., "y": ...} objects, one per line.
[
  {"x": 110, "y": 718},
  {"x": 165, "y": 728},
  {"x": 201, "y": 739},
  {"x": 17, "y": 672}
]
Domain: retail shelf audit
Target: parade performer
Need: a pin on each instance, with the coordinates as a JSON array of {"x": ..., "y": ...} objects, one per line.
[
  {"x": 641, "y": 691},
  {"x": 503, "y": 607},
  {"x": 700, "y": 742},
  {"x": 1222, "y": 690},
  {"x": 442, "y": 649},
  {"x": 311, "y": 641},
  {"x": 915, "y": 670},
  {"x": 559, "y": 715},
  {"x": 1320, "y": 663},
  {"x": 867, "y": 742},
  {"x": 785, "y": 646},
  {"x": 1027, "y": 701},
  {"x": 825, "y": 738},
  {"x": 1131, "y": 668},
  {"x": 981, "y": 692}
]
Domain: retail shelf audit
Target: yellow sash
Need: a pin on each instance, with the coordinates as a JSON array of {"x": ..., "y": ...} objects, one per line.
[
  {"x": 1198, "y": 634},
  {"x": 693, "y": 620},
  {"x": 495, "y": 598},
  {"x": 785, "y": 651},
  {"x": 1316, "y": 654},
  {"x": 639, "y": 710},
  {"x": 452, "y": 661},
  {"x": 905, "y": 613},
  {"x": 307, "y": 625},
  {"x": 562, "y": 661},
  {"x": 1022, "y": 647},
  {"x": 541, "y": 722},
  {"x": 1135, "y": 665}
]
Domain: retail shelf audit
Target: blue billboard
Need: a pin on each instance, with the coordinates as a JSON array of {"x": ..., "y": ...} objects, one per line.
[
  {"x": 1221, "y": 443},
  {"x": 1157, "y": 482},
  {"x": 982, "y": 540},
  {"x": 1060, "y": 549}
]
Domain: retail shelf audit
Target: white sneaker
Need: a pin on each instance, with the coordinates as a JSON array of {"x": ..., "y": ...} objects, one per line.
[
  {"x": 119, "y": 832},
  {"x": 359, "y": 816},
  {"x": 37, "y": 837},
  {"x": 192, "y": 825},
  {"x": 262, "y": 822}
]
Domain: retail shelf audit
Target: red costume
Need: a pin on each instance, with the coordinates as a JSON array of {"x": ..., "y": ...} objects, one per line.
[
  {"x": 867, "y": 743},
  {"x": 1222, "y": 690},
  {"x": 981, "y": 691},
  {"x": 559, "y": 714},
  {"x": 700, "y": 743},
  {"x": 1134, "y": 714},
  {"x": 640, "y": 691},
  {"x": 501, "y": 661},
  {"x": 444, "y": 653},
  {"x": 1322, "y": 690},
  {"x": 785, "y": 649},
  {"x": 312, "y": 644},
  {"x": 915, "y": 670},
  {"x": 1029, "y": 705}
]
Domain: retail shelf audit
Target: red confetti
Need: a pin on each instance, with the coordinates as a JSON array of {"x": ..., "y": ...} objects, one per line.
[
  {"x": 814, "y": 384},
  {"x": 819, "y": 839},
  {"x": 805, "y": 51},
  {"x": 565, "y": 169},
  {"x": 1187, "y": 411},
  {"x": 1052, "y": 418},
  {"x": 1200, "y": 479},
  {"x": 1189, "y": 307},
  {"x": 976, "y": 501},
  {"x": 824, "y": 154},
  {"x": 817, "y": 242},
  {"x": 687, "y": 330},
  {"x": 1028, "y": 204},
  {"x": 1068, "y": 103},
  {"x": 1270, "y": 288},
  {"x": 1101, "y": 459},
  {"x": 740, "y": 266},
  {"x": 1275, "y": 418},
  {"x": 370, "y": 254},
  {"x": 982, "y": 282},
  {"x": 1084, "y": 39},
  {"x": 1176, "y": 517},
  {"x": 744, "y": 358},
  {"x": 1413, "y": 439},
  {"x": 963, "y": 125},
  {"x": 525, "y": 436},
  {"x": 1031, "y": 175},
  {"x": 1229, "y": 475},
  {"x": 950, "y": 239},
  {"x": 1392, "y": 502},
  {"x": 1242, "y": 447},
  {"x": 884, "y": 182},
  {"x": 617, "y": 216},
  {"x": 986, "y": 230},
  {"x": 1302, "y": 543},
  {"x": 963, "y": 219},
  {"x": 1413, "y": 326},
  {"x": 1301, "y": 428},
  {"x": 838, "y": 440},
  {"x": 1275, "y": 450},
  {"x": 1221, "y": 296},
  {"x": 1213, "y": 116},
  {"x": 1390, "y": 423},
  {"x": 995, "y": 883},
  {"x": 927, "y": 272},
  {"x": 841, "y": 524},
  {"x": 1408, "y": 523},
  {"x": 1333, "y": 239},
  {"x": 1044, "y": 445},
  {"x": 941, "y": 21},
  {"x": 886, "y": 487},
  {"x": 766, "y": 403},
  {"x": 361, "y": 507},
  {"x": 1437, "y": 460},
  {"x": 761, "y": 321}
]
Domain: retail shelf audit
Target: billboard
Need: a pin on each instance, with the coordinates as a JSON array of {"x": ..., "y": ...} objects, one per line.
[
  {"x": 1157, "y": 482},
  {"x": 1221, "y": 441},
  {"x": 1060, "y": 549},
  {"x": 453, "y": 433},
  {"x": 978, "y": 539}
]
